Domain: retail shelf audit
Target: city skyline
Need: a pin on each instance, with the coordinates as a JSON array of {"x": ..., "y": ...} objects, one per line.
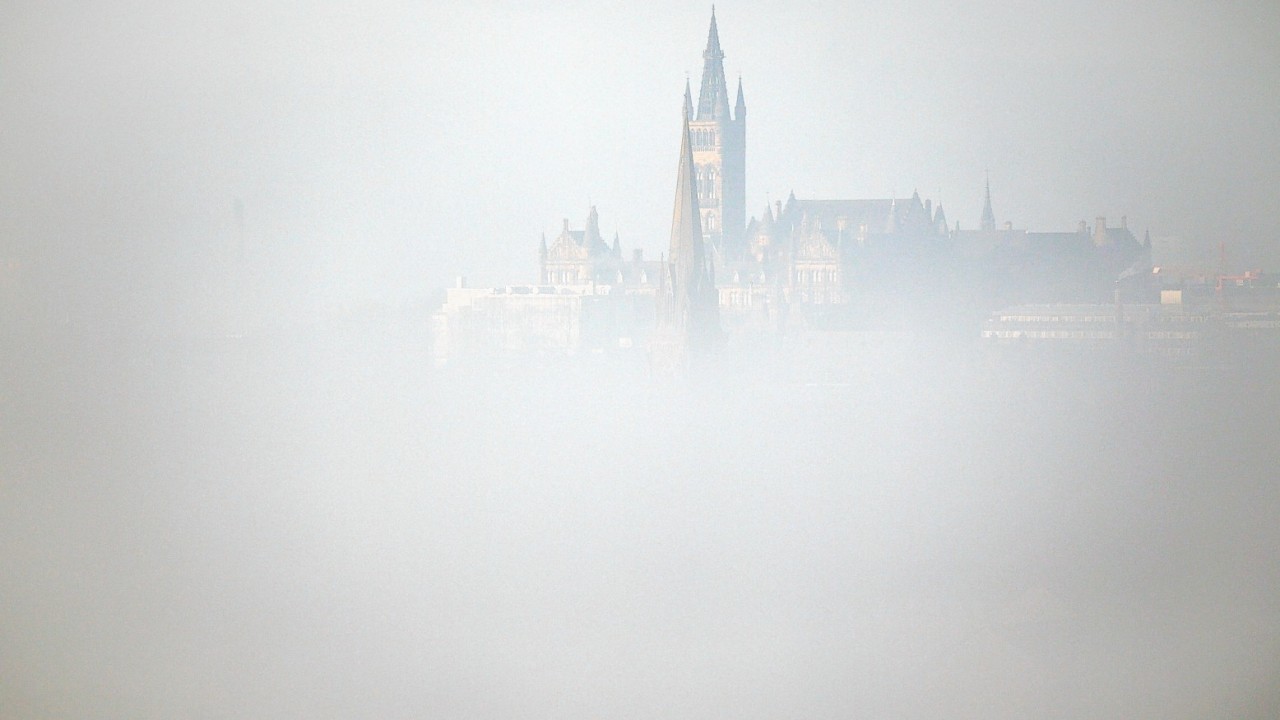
[
  {"x": 380, "y": 150},
  {"x": 252, "y": 466}
]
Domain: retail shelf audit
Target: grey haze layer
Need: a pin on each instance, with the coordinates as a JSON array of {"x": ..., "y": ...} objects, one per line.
[{"x": 325, "y": 528}]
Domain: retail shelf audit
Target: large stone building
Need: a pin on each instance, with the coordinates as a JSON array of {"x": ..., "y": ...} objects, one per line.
[{"x": 803, "y": 261}]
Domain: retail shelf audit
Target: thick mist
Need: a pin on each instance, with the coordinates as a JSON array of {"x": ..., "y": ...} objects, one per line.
[
  {"x": 333, "y": 529},
  {"x": 233, "y": 484}
]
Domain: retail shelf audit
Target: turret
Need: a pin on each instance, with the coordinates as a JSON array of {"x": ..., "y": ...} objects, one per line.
[
  {"x": 766, "y": 221},
  {"x": 591, "y": 239}
]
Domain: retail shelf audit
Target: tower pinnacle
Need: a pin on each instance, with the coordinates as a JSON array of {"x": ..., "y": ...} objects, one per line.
[
  {"x": 713, "y": 97},
  {"x": 713, "y": 40}
]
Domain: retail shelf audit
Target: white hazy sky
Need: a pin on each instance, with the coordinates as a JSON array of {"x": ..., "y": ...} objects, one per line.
[{"x": 383, "y": 147}]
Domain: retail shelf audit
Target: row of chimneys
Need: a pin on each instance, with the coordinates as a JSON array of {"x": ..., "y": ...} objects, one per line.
[{"x": 1100, "y": 225}]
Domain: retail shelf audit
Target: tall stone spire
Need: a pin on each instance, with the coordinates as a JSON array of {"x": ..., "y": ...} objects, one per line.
[
  {"x": 688, "y": 304},
  {"x": 713, "y": 98},
  {"x": 740, "y": 107},
  {"x": 688, "y": 100},
  {"x": 688, "y": 256},
  {"x": 988, "y": 217}
]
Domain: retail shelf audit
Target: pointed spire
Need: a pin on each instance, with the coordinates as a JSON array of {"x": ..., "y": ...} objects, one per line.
[
  {"x": 688, "y": 100},
  {"x": 542, "y": 247},
  {"x": 713, "y": 39},
  {"x": 617, "y": 245},
  {"x": 713, "y": 97},
  {"x": 891, "y": 225},
  {"x": 690, "y": 304},
  {"x": 740, "y": 107},
  {"x": 687, "y": 252},
  {"x": 988, "y": 217}
]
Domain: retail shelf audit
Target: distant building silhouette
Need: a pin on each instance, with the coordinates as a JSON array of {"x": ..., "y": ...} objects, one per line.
[{"x": 805, "y": 262}]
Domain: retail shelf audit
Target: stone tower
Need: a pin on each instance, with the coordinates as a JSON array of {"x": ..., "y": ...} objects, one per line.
[{"x": 719, "y": 153}]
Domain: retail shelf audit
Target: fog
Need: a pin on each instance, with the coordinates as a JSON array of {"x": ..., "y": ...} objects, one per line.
[
  {"x": 381, "y": 148},
  {"x": 336, "y": 530},
  {"x": 234, "y": 484}
]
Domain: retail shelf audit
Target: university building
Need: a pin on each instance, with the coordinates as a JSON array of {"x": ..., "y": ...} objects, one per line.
[{"x": 799, "y": 262}]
